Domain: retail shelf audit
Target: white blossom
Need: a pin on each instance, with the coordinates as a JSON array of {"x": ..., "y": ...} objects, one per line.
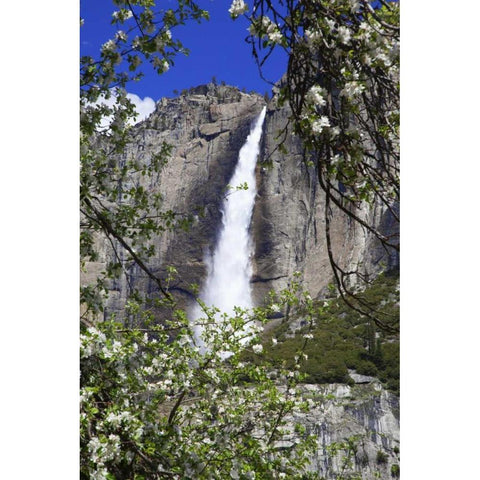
[
  {"x": 116, "y": 419},
  {"x": 313, "y": 34},
  {"x": 266, "y": 22},
  {"x": 275, "y": 308},
  {"x": 121, "y": 35},
  {"x": 94, "y": 446},
  {"x": 330, "y": 23},
  {"x": 334, "y": 131},
  {"x": 136, "y": 42},
  {"x": 267, "y": 29},
  {"x": 316, "y": 95},
  {"x": 102, "y": 451},
  {"x": 86, "y": 349},
  {"x": 344, "y": 34},
  {"x": 352, "y": 89},
  {"x": 257, "y": 348},
  {"x": 354, "y": 5},
  {"x": 384, "y": 58},
  {"x": 94, "y": 332},
  {"x": 365, "y": 31},
  {"x": 122, "y": 14},
  {"x": 100, "y": 474},
  {"x": 162, "y": 65},
  {"x": 366, "y": 59},
  {"x": 85, "y": 395},
  {"x": 275, "y": 36},
  {"x": 212, "y": 374},
  {"x": 109, "y": 352},
  {"x": 320, "y": 124},
  {"x": 237, "y": 8},
  {"x": 92, "y": 342},
  {"x": 109, "y": 46},
  {"x": 114, "y": 440}
]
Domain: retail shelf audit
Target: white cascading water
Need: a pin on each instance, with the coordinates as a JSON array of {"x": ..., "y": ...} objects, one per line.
[{"x": 230, "y": 269}]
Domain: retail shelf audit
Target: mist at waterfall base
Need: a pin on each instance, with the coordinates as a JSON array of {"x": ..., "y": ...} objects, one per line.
[{"x": 229, "y": 269}]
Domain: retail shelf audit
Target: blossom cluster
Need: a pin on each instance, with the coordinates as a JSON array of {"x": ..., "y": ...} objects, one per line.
[
  {"x": 150, "y": 380},
  {"x": 238, "y": 7},
  {"x": 317, "y": 96},
  {"x": 122, "y": 15},
  {"x": 347, "y": 41},
  {"x": 263, "y": 27},
  {"x": 352, "y": 72},
  {"x": 320, "y": 124}
]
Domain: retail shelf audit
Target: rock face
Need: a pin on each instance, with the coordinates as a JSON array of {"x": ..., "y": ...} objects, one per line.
[
  {"x": 357, "y": 429},
  {"x": 357, "y": 425},
  {"x": 289, "y": 220},
  {"x": 206, "y": 129}
]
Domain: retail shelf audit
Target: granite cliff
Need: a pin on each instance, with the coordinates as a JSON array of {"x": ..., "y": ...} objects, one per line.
[
  {"x": 289, "y": 219},
  {"x": 207, "y": 127},
  {"x": 357, "y": 430}
]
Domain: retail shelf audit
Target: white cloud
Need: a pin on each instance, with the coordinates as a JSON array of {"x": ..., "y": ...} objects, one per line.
[{"x": 144, "y": 108}]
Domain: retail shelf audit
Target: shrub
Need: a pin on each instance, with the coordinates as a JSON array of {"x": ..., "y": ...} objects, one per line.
[{"x": 382, "y": 457}]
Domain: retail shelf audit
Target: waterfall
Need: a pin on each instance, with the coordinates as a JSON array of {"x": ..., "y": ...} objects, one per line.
[{"x": 229, "y": 269}]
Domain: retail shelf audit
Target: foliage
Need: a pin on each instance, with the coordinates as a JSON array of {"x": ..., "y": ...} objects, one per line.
[
  {"x": 334, "y": 338},
  {"x": 113, "y": 197},
  {"x": 342, "y": 87},
  {"x": 152, "y": 405},
  {"x": 382, "y": 457}
]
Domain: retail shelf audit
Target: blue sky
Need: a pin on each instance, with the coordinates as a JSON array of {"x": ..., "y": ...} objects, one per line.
[{"x": 217, "y": 48}]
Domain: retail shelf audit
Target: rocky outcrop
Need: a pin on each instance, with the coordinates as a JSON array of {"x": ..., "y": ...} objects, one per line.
[
  {"x": 357, "y": 429},
  {"x": 206, "y": 128},
  {"x": 289, "y": 219}
]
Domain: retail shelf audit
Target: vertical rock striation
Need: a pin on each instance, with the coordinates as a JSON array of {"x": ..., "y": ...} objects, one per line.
[
  {"x": 206, "y": 128},
  {"x": 357, "y": 429},
  {"x": 289, "y": 219}
]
